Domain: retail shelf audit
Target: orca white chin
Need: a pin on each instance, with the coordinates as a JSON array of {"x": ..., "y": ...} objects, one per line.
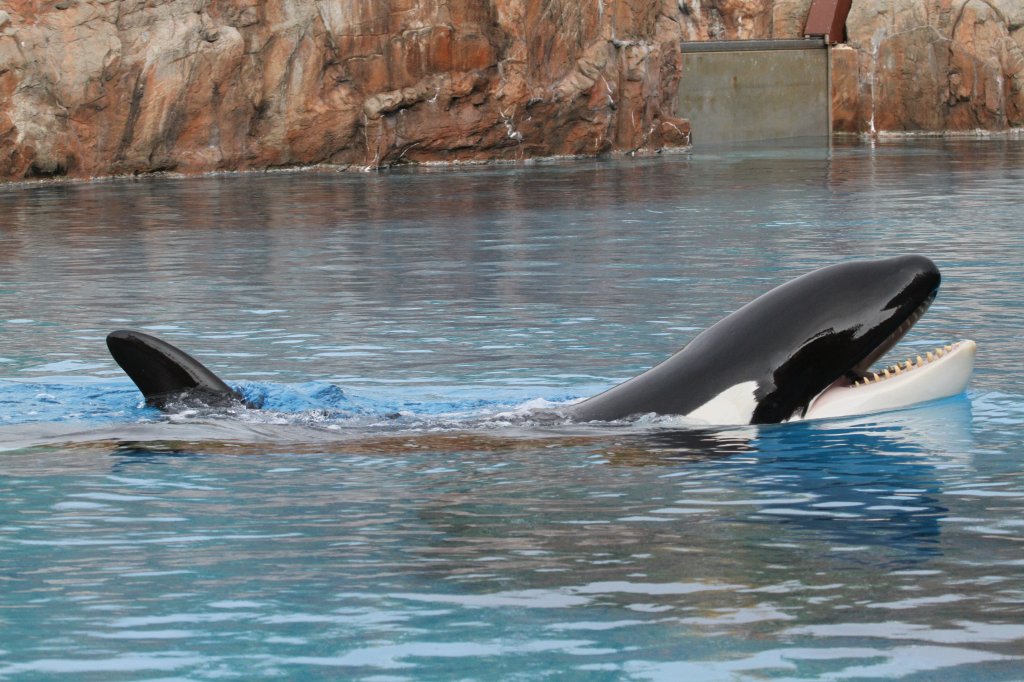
[{"x": 941, "y": 373}]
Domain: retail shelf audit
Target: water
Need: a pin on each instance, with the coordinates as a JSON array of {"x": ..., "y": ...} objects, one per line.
[{"x": 390, "y": 514}]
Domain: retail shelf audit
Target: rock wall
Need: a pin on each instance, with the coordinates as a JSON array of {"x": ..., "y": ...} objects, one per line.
[
  {"x": 931, "y": 65},
  {"x": 94, "y": 87},
  {"x": 98, "y": 87}
]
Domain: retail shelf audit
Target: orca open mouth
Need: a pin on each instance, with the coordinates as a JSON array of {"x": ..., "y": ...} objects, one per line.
[
  {"x": 908, "y": 365},
  {"x": 860, "y": 371},
  {"x": 938, "y": 373}
]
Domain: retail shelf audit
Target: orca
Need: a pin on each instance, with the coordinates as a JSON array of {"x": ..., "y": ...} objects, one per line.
[{"x": 802, "y": 350}]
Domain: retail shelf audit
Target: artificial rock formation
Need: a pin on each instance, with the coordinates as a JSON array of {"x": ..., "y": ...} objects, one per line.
[
  {"x": 932, "y": 65},
  {"x": 98, "y": 87},
  {"x": 94, "y": 87}
]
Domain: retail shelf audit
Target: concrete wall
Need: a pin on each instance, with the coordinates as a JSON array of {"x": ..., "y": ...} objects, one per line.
[{"x": 743, "y": 96}]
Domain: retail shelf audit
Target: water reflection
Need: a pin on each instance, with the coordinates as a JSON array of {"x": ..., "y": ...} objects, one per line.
[
  {"x": 357, "y": 276},
  {"x": 665, "y": 536},
  {"x": 743, "y": 505}
]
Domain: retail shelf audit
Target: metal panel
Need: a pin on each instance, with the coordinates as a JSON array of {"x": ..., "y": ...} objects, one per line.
[
  {"x": 755, "y": 95},
  {"x": 752, "y": 45},
  {"x": 827, "y": 18}
]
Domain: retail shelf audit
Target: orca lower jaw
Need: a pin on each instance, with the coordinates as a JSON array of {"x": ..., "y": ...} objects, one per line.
[{"x": 940, "y": 373}]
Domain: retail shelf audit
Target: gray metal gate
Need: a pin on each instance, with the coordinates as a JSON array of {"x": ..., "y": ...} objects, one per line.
[{"x": 755, "y": 90}]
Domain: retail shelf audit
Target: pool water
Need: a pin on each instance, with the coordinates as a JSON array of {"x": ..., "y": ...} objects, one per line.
[{"x": 393, "y": 512}]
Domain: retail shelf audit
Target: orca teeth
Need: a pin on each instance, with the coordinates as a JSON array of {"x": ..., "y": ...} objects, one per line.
[
  {"x": 861, "y": 371},
  {"x": 905, "y": 366}
]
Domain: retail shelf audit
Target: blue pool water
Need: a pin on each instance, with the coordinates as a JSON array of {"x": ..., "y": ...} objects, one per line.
[{"x": 393, "y": 513}]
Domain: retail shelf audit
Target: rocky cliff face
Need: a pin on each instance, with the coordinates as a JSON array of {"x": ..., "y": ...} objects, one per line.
[
  {"x": 95, "y": 87},
  {"x": 90, "y": 87},
  {"x": 931, "y": 65}
]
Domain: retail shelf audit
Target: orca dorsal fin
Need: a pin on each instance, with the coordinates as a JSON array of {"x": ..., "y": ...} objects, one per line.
[{"x": 166, "y": 374}]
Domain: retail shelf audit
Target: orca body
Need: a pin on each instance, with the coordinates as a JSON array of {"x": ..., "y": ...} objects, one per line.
[{"x": 801, "y": 350}]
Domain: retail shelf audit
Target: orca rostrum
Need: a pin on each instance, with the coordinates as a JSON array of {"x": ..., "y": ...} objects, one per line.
[{"x": 802, "y": 350}]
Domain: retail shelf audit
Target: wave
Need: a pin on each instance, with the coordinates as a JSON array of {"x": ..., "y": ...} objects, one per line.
[{"x": 319, "y": 416}]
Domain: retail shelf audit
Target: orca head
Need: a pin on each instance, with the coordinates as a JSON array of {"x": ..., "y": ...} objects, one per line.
[
  {"x": 825, "y": 329},
  {"x": 800, "y": 350}
]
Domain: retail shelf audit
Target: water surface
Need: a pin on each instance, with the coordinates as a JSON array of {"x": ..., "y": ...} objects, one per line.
[{"x": 389, "y": 513}]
